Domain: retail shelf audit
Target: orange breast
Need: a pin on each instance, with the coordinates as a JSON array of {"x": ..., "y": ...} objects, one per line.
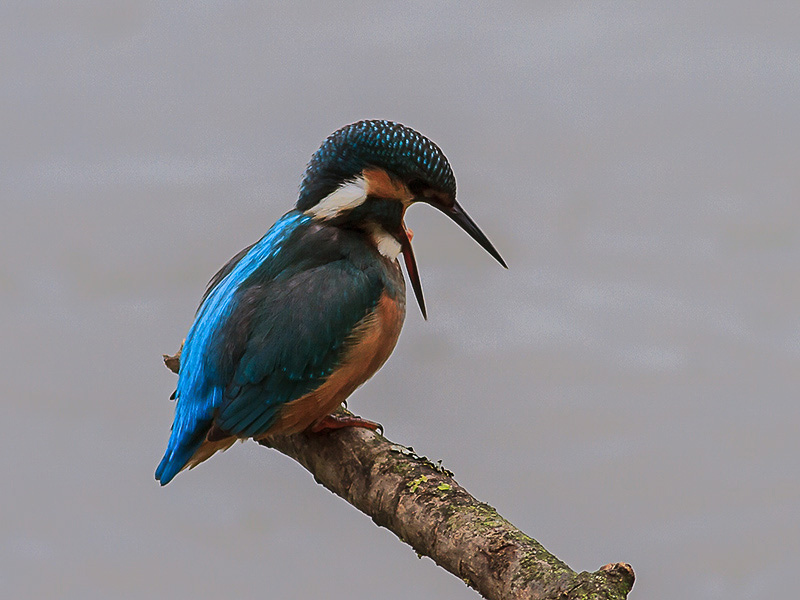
[{"x": 368, "y": 347}]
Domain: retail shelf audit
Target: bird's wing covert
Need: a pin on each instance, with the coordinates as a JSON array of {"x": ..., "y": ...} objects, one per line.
[{"x": 295, "y": 331}]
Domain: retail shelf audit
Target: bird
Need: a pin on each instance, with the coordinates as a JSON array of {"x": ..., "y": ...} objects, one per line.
[{"x": 294, "y": 323}]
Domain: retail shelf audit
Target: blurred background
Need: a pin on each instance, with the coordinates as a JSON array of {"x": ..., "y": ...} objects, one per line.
[{"x": 627, "y": 391}]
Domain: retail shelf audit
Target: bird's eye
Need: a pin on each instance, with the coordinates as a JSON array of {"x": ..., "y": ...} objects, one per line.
[{"x": 417, "y": 187}]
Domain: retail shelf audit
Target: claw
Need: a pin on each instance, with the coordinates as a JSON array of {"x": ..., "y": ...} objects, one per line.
[{"x": 331, "y": 422}]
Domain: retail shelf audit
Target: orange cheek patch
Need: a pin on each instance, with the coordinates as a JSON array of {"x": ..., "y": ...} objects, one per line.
[{"x": 381, "y": 185}]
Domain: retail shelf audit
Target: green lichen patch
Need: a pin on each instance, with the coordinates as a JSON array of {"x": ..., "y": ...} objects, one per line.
[{"x": 415, "y": 483}]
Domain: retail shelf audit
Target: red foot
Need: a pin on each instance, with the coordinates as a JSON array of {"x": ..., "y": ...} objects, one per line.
[{"x": 331, "y": 422}]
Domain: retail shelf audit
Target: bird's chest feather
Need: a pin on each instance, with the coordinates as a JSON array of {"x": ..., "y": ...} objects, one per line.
[{"x": 366, "y": 350}]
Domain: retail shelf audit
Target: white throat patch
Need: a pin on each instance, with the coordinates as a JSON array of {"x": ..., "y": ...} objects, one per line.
[
  {"x": 346, "y": 197},
  {"x": 384, "y": 241}
]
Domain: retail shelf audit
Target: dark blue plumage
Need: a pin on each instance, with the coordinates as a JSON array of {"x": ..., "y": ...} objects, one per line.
[
  {"x": 294, "y": 323},
  {"x": 385, "y": 144}
]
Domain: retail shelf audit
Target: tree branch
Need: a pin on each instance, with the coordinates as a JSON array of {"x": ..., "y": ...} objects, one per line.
[{"x": 424, "y": 506}]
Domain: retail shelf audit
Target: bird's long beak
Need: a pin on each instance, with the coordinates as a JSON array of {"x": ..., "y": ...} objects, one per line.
[
  {"x": 463, "y": 220},
  {"x": 411, "y": 266}
]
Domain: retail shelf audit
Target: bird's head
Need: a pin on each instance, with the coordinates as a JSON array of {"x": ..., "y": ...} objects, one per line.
[{"x": 367, "y": 174}]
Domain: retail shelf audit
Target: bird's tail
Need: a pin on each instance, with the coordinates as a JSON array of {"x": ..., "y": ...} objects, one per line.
[{"x": 178, "y": 455}]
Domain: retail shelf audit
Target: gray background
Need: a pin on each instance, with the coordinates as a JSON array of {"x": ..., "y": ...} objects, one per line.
[{"x": 627, "y": 391}]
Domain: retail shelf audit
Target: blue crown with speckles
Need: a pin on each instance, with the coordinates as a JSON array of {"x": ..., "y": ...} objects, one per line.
[{"x": 391, "y": 146}]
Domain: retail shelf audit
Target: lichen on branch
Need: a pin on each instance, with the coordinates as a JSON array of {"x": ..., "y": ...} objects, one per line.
[{"x": 423, "y": 505}]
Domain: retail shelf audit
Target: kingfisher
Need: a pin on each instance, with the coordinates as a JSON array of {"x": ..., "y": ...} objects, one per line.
[{"x": 294, "y": 323}]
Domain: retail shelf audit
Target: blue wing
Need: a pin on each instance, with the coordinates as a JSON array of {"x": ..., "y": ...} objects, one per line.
[
  {"x": 298, "y": 328},
  {"x": 269, "y": 330},
  {"x": 198, "y": 390}
]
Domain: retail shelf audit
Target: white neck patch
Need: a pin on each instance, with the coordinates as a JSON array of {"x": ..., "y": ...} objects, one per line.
[
  {"x": 346, "y": 197},
  {"x": 384, "y": 241}
]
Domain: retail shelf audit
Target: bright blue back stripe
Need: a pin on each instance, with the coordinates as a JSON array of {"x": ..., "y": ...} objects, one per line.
[{"x": 196, "y": 402}]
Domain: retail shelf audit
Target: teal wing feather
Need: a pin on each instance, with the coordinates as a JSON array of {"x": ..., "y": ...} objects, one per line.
[{"x": 297, "y": 330}]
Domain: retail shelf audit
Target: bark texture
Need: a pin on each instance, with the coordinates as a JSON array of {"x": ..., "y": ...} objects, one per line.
[{"x": 424, "y": 506}]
